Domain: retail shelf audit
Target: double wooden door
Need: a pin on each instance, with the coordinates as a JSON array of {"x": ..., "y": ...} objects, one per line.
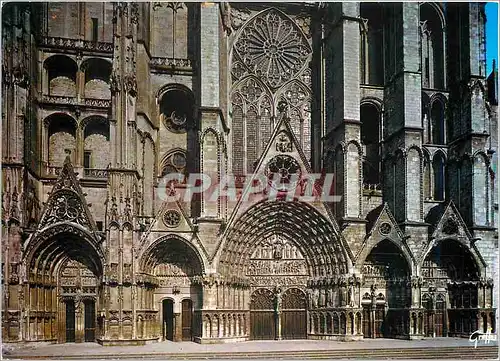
[
  {"x": 89, "y": 321},
  {"x": 264, "y": 316}
]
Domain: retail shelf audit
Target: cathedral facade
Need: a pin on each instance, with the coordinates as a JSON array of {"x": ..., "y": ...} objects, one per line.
[{"x": 102, "y": 102}]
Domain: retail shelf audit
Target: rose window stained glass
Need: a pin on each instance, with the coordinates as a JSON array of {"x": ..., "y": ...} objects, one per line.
[
  {"x": 271, "y": 46},
  {"x": 283, "y": 172}
]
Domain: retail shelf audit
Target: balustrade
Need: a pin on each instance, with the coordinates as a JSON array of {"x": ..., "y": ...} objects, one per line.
[
  {"x": 224, "y": 324},
  {"x": 77, "y": 44}
]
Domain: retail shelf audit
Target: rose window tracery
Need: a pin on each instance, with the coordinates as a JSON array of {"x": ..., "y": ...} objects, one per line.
[
  {"x": 176, "y": 121},
  {"x": 271, "y": 46},
  {"x": 282, "y": 172},
  {"x": 175, "y": 163},
  {"x": 67, "y": 207},
  {"x": 385, "y": 228},
  {"x": 171, "y": 218},
  {"x": 450, "y": 226}
]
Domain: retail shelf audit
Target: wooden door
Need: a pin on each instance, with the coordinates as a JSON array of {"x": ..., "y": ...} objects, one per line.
[
  {"x": 379, "y": 321},
  {"x": 367, "y": 324},
  {"x": 187, "y": 320},
  {"x": 70, "y": 321},
  {"x": 439, "y": 322},
  {"x": 428, "y": 322},
  {"x": 262, "y": 319},
  {"x": 89, "y": 321},
  {"x": 294, "y": 315},
  {"x": 168, "y": 320}
]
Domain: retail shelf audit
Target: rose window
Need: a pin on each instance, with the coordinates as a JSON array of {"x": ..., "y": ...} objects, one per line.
[
  {"x": 450, "y": 226},
  {"x": 283, "y": 172},
  {"x": 273, "y": 47},
  {"x": 171, "y": 218},
  {"x": 385, "y": 228}
]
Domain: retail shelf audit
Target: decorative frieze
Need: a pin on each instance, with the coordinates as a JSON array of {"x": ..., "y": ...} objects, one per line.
[{"x": 76, "y": 44}]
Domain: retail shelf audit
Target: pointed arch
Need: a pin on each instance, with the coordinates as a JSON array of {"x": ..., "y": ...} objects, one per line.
[
  {"x": 374, "y": 241},
  {"x": 414, "y": 204},
  {"x": 166, "y": 249},
  {"x": 481, "y": 189},
  {"x": 322, "y": 249},
  {"x": 370, "y": 116},
  {"x": 211, "y": 166},
  {"x": 372, "y": 34},
  {"x": 432, "y": 46},
  {"x": 438, "y": 119},
  {"x": 438, "y": 166}
]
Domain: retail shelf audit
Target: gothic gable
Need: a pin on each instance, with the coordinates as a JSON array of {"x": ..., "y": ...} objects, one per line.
[
  {"x": 382, "y": 225},
  {"x": 450, "y": 224},
  {"x": 283, "y": 151},
  {"x": 283, "y": 155},
  {"x": 66, "y": 202},
  {"x": 171, "y": 217}
]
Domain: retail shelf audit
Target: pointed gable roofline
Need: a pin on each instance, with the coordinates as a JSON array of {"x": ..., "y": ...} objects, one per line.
[
  {"x": 396, "y": 236},
  {"x": 281, "y": 123},
  {"x": 67, "y": 203}
]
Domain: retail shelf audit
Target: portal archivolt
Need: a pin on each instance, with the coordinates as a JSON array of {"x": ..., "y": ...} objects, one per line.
[
  {"x": 64, "y": 273},
  {"x": 274, "y": 227}
]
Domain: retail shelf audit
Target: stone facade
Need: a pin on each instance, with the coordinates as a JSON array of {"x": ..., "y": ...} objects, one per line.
[{"x": 102, "y": 100}]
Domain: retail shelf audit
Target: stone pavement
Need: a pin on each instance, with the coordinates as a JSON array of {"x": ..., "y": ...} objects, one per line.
[{"x": 170, "y": 348}]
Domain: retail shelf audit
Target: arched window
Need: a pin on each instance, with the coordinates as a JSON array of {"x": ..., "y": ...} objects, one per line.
[
  {"x": 61, "y": 76},
  {"x": 96, "y": 139},
  {"x": 372, "y": 44},
  {"x": 61, "y": 138},
  {"x": 438, "y": 165},
  {"x": 175, "y": 162},
  {"x": 426, "y": 119},
  {"x": 176, "y": 108},
  {"x": 370, "y": 138},
  {"x": 427, "y": 178},
  {"x": 432, "y": 46},
  {"x": 438, "y": 122},
  {"x": 97, "y": 74}
]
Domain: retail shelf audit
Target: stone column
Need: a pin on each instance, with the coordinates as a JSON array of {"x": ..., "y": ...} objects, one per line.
[
  {"x": 177, "y": 327},
  {"x": 79, "y": 322}
]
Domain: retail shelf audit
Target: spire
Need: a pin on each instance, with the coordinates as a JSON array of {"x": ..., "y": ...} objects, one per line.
[{"x": 492, "y": 83}]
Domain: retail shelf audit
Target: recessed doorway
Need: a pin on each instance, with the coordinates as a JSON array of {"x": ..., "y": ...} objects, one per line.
[{"x": 168, "y": 320}]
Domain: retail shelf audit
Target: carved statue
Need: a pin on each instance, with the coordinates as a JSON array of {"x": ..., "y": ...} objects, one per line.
[
  {"x": 351, "y": 295},
  {"x": 278, "y": 299}
]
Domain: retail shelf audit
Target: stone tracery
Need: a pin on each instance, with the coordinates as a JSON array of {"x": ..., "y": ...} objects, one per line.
[{"x": 272, "y": 46}]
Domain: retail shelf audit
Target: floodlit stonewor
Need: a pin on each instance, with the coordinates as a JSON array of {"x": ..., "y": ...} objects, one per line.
[{"x": 389, "y": 103}]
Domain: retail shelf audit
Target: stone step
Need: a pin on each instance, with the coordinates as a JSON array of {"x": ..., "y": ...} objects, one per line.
[{"x": 452, "y": 353}]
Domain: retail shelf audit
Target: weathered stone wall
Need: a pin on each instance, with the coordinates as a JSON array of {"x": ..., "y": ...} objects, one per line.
[{"x": 232, "y": 111}]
